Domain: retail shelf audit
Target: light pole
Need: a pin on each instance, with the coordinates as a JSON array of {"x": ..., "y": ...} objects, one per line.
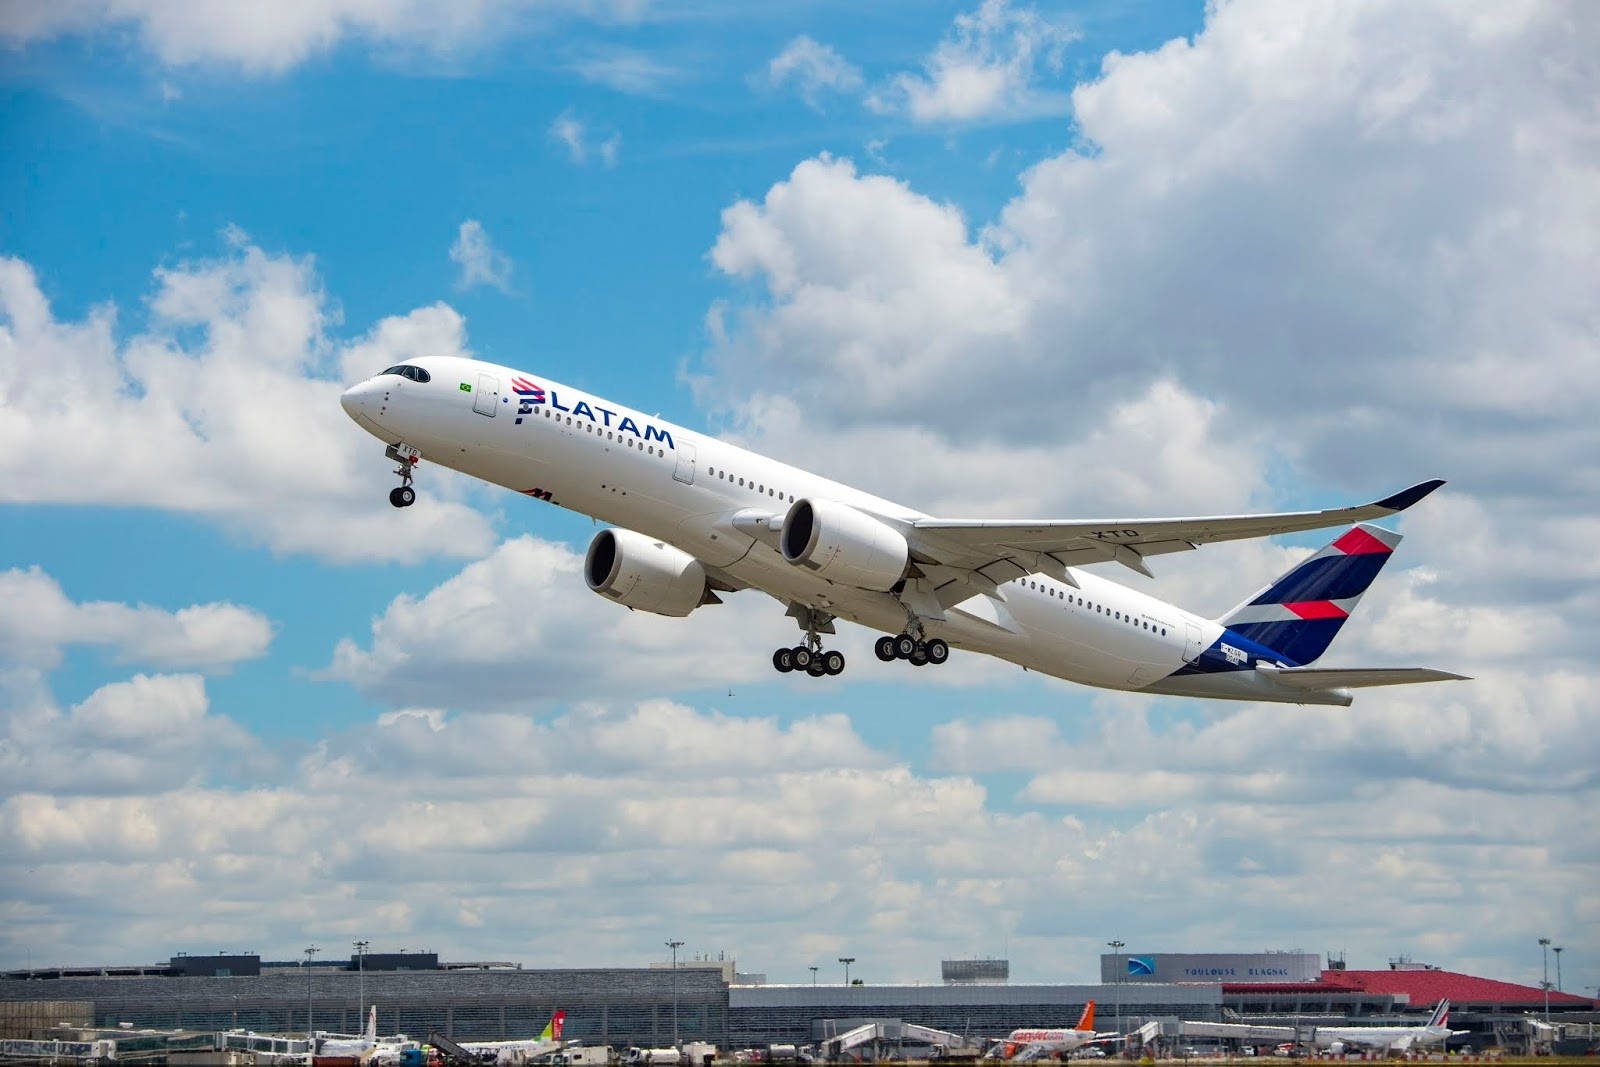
[
  {"x": 813, "y": 974},
  {"x": 1557, "y": 950},
  {"x": 1116, "y": 977},
  {"x": 1544, "y": 944},
  {"x": 674, "y": 945},
  {"x": 361, "y": 984},
  {"x": 847, "y": 961},
  {"x": 311, "y": 950}
]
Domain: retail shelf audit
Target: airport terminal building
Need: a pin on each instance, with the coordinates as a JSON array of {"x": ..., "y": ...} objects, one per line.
[{"x": 416, "y": 994}]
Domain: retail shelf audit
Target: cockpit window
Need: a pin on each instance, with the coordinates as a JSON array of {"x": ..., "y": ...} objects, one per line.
[{"x": 406, "y": 370}]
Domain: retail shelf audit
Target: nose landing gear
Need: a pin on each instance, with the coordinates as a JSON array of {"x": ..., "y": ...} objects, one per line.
[{"x": 407, "y": 458}]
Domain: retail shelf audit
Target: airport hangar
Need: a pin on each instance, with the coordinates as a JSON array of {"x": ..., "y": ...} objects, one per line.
[{"x": 415, "y": 993}]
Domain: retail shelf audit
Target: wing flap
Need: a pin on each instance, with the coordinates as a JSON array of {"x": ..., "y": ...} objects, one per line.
[{"x": 1318, "y": 678}]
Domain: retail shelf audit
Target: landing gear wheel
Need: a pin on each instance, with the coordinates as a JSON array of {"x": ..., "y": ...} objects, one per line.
[
  {"x": 802, "y": 657},
  {"x": 905, "y": 646},
  {"x": 402, "y": 496},
  {"x": 816, "y": 669},
  {"x": 919, "y": 658},
  {"x": 783, "y": 660},
  {"x": 833, "y": 662},
  {"x": 883, "y": 648},
  {"x": 937, "y": 651}
]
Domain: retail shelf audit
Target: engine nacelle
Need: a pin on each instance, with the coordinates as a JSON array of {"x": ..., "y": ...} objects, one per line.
[
  {"x": 641, "y": 572},
  {"x": 844, "y": 545}
]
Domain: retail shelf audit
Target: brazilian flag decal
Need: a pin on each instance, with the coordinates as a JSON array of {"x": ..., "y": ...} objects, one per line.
[{"x": 465, "y": 388}]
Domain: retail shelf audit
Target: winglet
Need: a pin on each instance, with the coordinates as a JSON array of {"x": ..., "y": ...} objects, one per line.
[{"x": 1406, "y": 497}]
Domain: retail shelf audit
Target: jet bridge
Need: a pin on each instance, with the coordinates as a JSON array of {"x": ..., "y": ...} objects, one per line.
[{"x": 881, "y": 1033}]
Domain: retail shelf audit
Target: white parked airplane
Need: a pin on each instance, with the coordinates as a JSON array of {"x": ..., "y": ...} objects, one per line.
[
  {"x": 366, "y": 1047},
  {"x": 1338, "y": 1038},
  {"x": 522, "y": 1050},
  {"x": 1030, "y": 1043},
  {"x": 697, "y": 516}
]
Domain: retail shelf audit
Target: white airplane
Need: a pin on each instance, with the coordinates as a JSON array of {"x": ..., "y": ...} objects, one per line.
[
  {"x": 522, "y": 1050},
  {"x": 1337, "y": 1038},
  {"x": 1030, "y": 1043},
  {"x": 366, "y": 1047},
  {"x": 696, "y": 517}
]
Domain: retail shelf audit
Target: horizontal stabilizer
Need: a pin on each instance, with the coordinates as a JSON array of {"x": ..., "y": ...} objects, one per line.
[{"x": 1311, "y": 678}]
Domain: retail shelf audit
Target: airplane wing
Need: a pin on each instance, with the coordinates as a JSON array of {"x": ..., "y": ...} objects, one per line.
[
  {"x": 1002, "y": 550},
  {"x": 1319, "y": 678}
]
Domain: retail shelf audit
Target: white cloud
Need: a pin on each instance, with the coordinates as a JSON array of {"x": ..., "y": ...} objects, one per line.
[
  {"x": 269, "y": 39},
  {"x": 221, "y": 407},
  {"x": 627, "y": 71},
  {"x": 789, "y": 839},
  {"x": 37, "y": 619},
  {"x": 813, "y": 69},
  {"x": 984, "y": 70},
  {"x": 480, "y": 262},
  {"x": 574, "y": 134},
  {"x": 138, "y": 737}
]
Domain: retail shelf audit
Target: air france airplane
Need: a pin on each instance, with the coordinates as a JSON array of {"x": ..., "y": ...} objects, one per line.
[{"x": 695, "y": 517}]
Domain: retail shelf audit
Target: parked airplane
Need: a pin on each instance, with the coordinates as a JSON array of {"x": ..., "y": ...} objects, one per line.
[
  {"x": 696, "y": 517},
  {"x": 524, "y": 1050},
  {"x": 366, "y": 1047},
  {"x": 1031, "y": 1043},
  {"x": 1337, "y": 1038}
]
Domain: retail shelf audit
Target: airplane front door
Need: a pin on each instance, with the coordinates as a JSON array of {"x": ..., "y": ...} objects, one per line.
[
  {"x": 1191, "y": 642},
  {"x": 486, "y": 400},
  {"x": 684, "y": 471}
]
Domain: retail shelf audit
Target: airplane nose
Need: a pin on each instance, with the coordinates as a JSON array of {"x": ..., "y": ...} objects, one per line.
[{"x": 359, "y": 400}]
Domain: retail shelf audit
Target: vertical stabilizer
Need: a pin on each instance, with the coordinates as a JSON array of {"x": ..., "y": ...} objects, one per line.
[
  {"x": 1299, "y": 615},
  {"x": 1086, "y": 1020}
]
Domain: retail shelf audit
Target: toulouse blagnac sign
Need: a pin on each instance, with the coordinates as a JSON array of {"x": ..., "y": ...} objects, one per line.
[{"x": 1211, "y": 967}]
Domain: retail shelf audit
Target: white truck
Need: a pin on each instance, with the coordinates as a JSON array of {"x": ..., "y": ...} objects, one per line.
[
  {"x": 652, "y": 1057},
  {"x": 584, "y": 1056}
]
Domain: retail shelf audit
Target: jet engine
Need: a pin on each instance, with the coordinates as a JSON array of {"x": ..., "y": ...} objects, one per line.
[
  {"x": 640, "y": 572},
  {"x": 844, "y": 545}
]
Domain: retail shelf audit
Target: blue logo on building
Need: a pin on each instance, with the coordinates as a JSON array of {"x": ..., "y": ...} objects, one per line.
[{"x": 1142, "y": 965}]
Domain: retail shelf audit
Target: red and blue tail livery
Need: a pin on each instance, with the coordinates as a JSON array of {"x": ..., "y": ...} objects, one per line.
[{"x": 1299, "y": 615}]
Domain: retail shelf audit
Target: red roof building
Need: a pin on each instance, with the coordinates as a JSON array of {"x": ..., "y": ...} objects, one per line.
[{"x": 1407, "y": 989}]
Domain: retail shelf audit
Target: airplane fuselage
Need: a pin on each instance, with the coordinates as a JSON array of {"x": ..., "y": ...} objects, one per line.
[{"x": 714, "y": 501}]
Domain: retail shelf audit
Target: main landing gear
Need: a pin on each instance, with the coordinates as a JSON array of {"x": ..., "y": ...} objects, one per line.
[
  {"x": 813, "y": 661},
  {"x": 403, "y": 496},
  {"x": 810, "y": 656},
  {"x": 906, "y": 647}
]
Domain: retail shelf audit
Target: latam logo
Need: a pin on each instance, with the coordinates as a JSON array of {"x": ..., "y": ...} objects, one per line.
[
  {"x": 530, "y": 395},
  {"x": 1141, "y": 965}
]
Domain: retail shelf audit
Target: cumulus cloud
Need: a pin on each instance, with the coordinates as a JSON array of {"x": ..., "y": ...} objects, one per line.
[
  {"x": 985, "y": 69},
  {"x": 785, "y": 839},
  {"x": 814, "y": 69},
  {"x": 37, "y": 619},
  {"x": 138, "y": 737},
  {"x": 222, "y": 407},
  {"x": 480, "y": 261},
  {"x": 581, "y": 144},
  {"x": 271, "y": 39}
]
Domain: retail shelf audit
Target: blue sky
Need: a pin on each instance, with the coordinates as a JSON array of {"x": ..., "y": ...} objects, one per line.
[{"x": 1070, "y": 260}]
